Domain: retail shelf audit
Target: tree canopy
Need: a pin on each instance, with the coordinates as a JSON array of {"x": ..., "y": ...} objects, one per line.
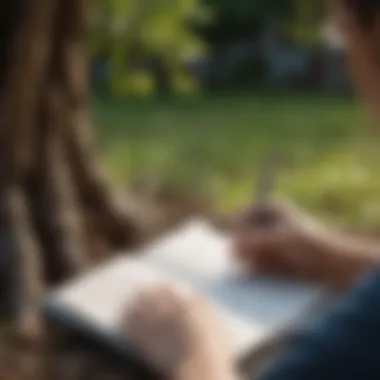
[
  {"x": 146, "y": 46},
  {"x": 147, "y": 42}
]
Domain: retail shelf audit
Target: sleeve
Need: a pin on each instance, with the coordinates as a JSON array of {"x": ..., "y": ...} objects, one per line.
[{"x": 343, "y": 344}]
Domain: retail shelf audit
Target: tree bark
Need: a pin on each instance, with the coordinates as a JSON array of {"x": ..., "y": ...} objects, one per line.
[{"x": 57, "y": 213}]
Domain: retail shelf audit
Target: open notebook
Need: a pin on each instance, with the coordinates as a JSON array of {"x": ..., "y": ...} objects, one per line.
[{"x": 195, "y": 255}]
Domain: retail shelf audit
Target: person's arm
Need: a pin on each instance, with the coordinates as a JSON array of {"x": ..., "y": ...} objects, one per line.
[
  {"x": 344, "y": 344},
  {"x": 292, "y": 244}
]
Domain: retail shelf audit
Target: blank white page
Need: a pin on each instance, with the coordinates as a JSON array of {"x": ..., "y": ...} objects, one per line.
[{"x": 195, "y": 256}]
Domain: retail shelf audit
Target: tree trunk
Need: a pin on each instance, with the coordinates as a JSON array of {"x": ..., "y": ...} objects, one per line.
[{"x": 57, "y": 214}]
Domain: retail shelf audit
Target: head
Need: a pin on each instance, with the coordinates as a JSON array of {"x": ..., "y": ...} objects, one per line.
[
  {"x": 359, "y": 23},
  {"x": 366, "y": 11}
]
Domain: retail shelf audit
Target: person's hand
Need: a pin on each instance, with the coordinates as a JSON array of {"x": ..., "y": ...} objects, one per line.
[
  {"x": 278, "y": 239},
  {"x": 174, "y": 329}
]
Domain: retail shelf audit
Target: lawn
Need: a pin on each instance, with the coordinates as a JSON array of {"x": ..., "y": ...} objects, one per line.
[{"x": 213, "y": 146}]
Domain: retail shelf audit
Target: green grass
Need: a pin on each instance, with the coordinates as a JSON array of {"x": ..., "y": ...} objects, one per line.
[{"x": 213, "y": 146}]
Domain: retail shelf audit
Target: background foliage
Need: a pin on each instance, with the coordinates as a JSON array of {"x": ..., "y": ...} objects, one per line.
[{"x": 211, "y": 145}]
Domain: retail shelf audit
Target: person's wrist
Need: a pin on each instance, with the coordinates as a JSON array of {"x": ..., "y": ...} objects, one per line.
[
  {"x": 342, "y": 260},
  {"x": 353, "y": 260}
]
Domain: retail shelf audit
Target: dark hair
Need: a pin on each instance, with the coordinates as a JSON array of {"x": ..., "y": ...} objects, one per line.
[{"x": 366, "y": 10}]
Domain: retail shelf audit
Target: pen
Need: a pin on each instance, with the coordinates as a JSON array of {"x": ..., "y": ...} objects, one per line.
[
  {"x": 260, "y": 215},
  {"x": 266, "y": 179}
]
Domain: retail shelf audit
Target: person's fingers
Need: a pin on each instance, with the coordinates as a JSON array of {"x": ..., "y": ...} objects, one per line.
[
  {"x": 160, "y": 303},
  {"x": 287, "y": 258},
  {"x": 260, "y": 217},
  {"x": 268, "y": 262},
  {"x": 146, "y": 303},
  {"x": 269, "y": 251},
  {"x": 155, "y": 313},
  {"x": 150, "y": 294},
  {"x": 250, "y": 242}
]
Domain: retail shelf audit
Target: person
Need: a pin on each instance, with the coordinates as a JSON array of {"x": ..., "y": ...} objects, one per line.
[{"x": 183, "y": 337}]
